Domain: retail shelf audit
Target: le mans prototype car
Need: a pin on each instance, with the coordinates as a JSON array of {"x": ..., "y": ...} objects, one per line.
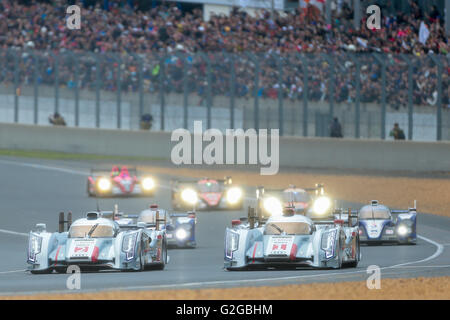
[
  {"x": 97, "y": 242},
  {"x": 302, "y": 200},
  {"x": 378, "y": 224},
  {"x": 286, "y": 239},
  {"x": 206, "y": 194},
  {"x": 179, "y": 227},
  {"x": 119, "y": 182}
]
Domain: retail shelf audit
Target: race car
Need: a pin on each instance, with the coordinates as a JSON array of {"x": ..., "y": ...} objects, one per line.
[
  {"x": 290, "y": 240},
  {"x": 379, "y": 224},
  {"x": 119, "y": 182},
  {"x": 97, "y": 242},
  {"x": 207, "y": 194},
  {"x": 179, "y": 227},
  {"x": 302, "y": 200}
]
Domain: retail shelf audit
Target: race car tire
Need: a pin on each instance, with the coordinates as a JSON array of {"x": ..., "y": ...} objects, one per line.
[
  {"x": 339, "y": 259},
  {"x": 244, "y": 268},
  {"x": 141, "y": 258},
  {"x": 162, "y": 265},
  {"x": 46, "y": 271},
  {"x": 61, "y": 269},
  {"x": 354, "y": 264}
]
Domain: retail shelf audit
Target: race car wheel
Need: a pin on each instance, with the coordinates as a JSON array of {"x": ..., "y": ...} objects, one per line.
[
  {"x": 163, "y": 257},
  {"x": 46, "y": 271},
  {"x": 141, "y": 258},
  {"x": 60, "y": 270},
  {"x": 354, "y": 264},
  {"x": 339, "y": 255}
]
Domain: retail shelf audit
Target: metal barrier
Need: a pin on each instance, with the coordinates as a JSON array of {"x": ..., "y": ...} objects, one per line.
[{"x": 299, "y": 94}]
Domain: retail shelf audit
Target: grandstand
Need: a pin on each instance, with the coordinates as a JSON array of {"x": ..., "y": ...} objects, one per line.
[{"x": 245, "y": 65}]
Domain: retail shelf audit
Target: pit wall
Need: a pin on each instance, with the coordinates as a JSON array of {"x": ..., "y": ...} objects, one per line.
[{"x": 293, "y": 151}]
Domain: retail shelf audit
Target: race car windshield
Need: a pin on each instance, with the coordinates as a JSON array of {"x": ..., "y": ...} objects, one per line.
[
  {"x": 292, "y": 228},
  {"x": 296, "y": 197},
  {"x": 209, "y": 187},
  {"x": 370, "y": 213},
  {"x": 101, "y": 231}
]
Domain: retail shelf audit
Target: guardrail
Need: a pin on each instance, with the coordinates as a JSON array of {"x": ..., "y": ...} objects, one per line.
[{"x": 294, "y": 151}]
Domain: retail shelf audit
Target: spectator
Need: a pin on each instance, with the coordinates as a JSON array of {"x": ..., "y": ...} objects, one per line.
[
  {"x": 335, "y": 129},
  {"x": 146, "y": 121},
  {"x": 56, "y": 119},
  {"x": 397, "y": 133}
]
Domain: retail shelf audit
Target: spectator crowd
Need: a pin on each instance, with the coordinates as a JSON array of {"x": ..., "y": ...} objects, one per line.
[{"x": 174, "y": 51}]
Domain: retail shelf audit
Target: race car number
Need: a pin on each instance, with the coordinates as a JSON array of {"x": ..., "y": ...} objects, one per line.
[
  {"x": 81, "y": 249},
  {"x": 280, "y": 245}
]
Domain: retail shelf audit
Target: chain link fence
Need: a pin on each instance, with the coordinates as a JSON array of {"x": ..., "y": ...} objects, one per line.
[{"x": 299, "y": 94}]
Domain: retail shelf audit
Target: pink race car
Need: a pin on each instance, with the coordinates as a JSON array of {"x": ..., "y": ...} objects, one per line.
[{"x": 119, "y": 182}]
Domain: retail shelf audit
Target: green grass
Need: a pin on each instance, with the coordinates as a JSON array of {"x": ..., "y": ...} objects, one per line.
[{"x": 54, "y": 155}]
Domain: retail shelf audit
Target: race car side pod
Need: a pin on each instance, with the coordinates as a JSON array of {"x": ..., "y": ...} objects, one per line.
[{"x": 62, "y": 221}]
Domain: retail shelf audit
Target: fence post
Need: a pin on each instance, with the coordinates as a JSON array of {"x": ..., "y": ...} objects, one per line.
[
  {"x": 255, "y": 60},
  {"x": 119, "y": 91},
  {"x": 304, "y": 59},
  {"x": 410, "y": 95},
  {"x": 331, "y": 85},
  {"x": 185, "y": 91},
  {"x": 280, "y": 95},
  {"x": 77, "y": 88},
  {"x": 383, "y": 94},
  {"x": 140, "y": 84},
  {"x": 438, "y": 63},
  {"x": 162, "y": 85},
  {"x": 232, "y": 89},
  {"x": 36, "y": 87},
  {"x": 208, "y": 90},
  {"x": 97, "y": 89},
  {"x": 358, "y": 96},
  {"x": 16, "y": 86}
]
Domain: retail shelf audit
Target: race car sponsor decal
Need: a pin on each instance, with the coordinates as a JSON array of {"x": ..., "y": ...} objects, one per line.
[
  {"x": 211, "y": 198},
  {"x": 82, "y": 248},
  {"x": 280, "y": 245}
]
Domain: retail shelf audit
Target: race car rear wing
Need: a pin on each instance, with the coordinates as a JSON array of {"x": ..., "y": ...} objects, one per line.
[
  {"x": 62, "y": 221},
  {"x": 101, "y": 172},
  {"x": 410, "y": 210}
]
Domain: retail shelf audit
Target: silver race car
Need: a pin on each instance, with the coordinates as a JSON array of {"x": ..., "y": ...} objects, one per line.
[
  {"x": 290, "y": 240},
  {"x": 97, "y": 242}
]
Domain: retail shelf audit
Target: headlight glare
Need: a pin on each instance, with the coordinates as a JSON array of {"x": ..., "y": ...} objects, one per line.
[
  {"x": 189, "y": 196},
  {"x": 321, "y": 205},
  {"x": 403, "y": 230},
  {"x": 181, "y": 234},
  {"x": 148, "y": 184},
  {"x": 273, "y": 206},
  {"x": 234, "y": 195},
  {"x": 104, "y": 184}
]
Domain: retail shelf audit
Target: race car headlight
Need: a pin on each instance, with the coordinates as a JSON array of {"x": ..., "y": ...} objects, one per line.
[
  {"x": 104, "y": 184},
  {"x": 321, "y": 205},
  {"x": 34, "y": 246},
  {"x": 327, "y": 243},
  {"x": 234, "y": 195},
  {"x": 128, "y": 245},
  {"x": 273, "y": 206},
  {"x": 189, "y": 196},
  {"x": 148, "y": 184},
  {"x": 231, "y": 243},
  {"x": 181, "y": 234},
  {"x": 403, "y": 230}
]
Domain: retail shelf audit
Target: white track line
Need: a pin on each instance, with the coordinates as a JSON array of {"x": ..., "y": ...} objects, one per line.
[{"x": 14, "y": 233}]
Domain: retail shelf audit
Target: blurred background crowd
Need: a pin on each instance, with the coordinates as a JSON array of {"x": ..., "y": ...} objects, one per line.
[{"x": 146, "y": 38}]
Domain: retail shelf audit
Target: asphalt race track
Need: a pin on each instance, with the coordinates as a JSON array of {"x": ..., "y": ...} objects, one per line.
[{"x": 35, "y": 191}]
